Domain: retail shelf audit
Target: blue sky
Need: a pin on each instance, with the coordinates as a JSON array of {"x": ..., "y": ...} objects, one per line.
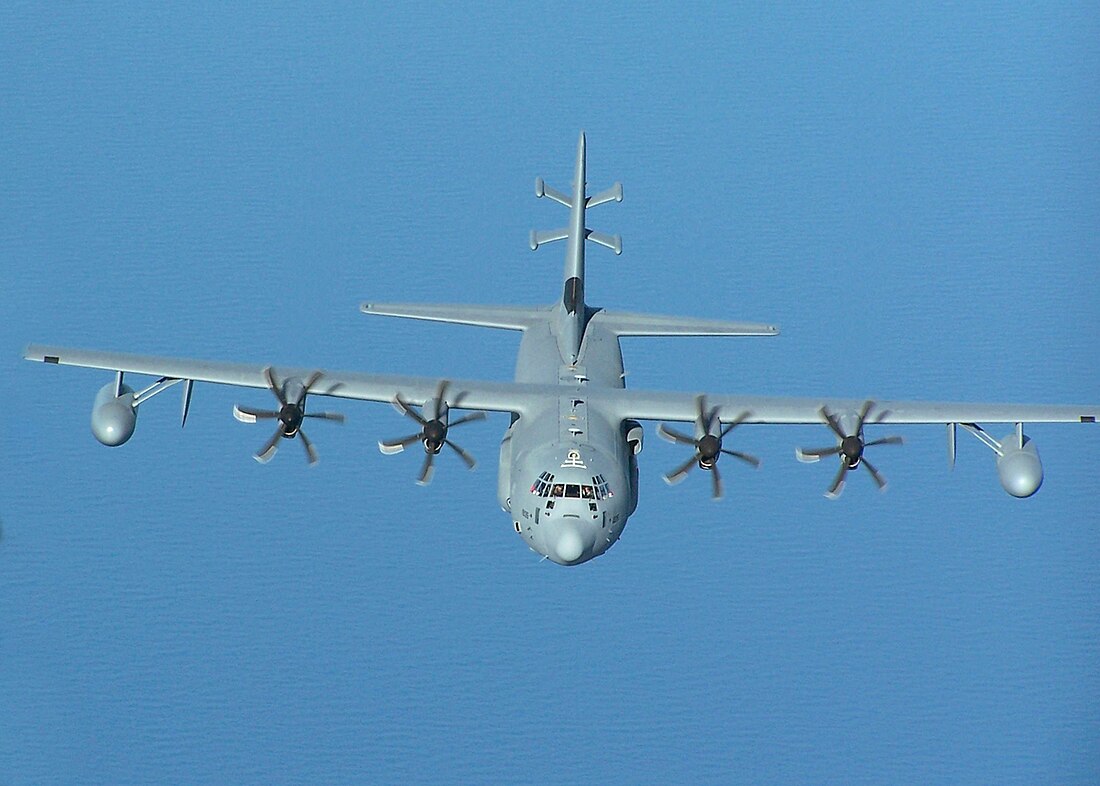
[{"x": 910, "y": 194}]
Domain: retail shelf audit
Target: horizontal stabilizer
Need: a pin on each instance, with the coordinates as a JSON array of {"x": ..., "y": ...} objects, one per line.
[
  {"x": 506, "y": 317},
  {"x": 624, "y": 323}
]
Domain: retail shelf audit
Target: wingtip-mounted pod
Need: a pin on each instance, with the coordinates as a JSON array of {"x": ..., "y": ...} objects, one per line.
[
  {"x": 114, "y": 414},
  {"x": 1018, "y": 465}
]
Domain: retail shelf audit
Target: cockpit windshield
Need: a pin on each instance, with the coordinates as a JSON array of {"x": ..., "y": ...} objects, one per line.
[{"x": 545, "y": 486}]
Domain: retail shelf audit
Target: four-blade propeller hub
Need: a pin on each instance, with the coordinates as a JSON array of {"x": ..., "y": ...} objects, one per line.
[
  {"x": 708, "y": 445},
  {"x": 435, "y": 434},
  {"x": 709, "y": 448},
  {"x": 850, "y": 448},
  {"x": 291, "y": 395},
  {"x": 291, "y": 416},
  {"x": 433, "y": 430}
]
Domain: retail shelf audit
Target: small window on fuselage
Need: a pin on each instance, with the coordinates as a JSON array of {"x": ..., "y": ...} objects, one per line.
[{"x": 541, "y": 486}]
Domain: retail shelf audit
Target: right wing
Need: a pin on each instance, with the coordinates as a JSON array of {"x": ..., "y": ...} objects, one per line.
[{"x": 470, "y": 394}]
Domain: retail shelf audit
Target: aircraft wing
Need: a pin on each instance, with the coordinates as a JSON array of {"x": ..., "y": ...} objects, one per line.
[
  {"x": 470, "y": 394},
  {"x": 652, "y": 405}
]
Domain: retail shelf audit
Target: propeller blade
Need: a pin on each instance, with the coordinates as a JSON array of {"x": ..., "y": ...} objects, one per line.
[
  {"x": 736, "y": 422},
  {"x": 470, "y": 461},
  {"x": 672, "y": 435},
  {"x": 392, "y": 446},
  {"x": 681, "y": 471},
  {"x": 400, "y": 405},
  {"x": 867, "y": 405},
  {"x": 815, "y": 454},
  {"x": 268, "y": 450},
  {"x": 289, "y": 415},
  {"x": 746, "y": 457},
  {"x": 702, "y": 418},
  {"x": 441, "y": 398},
  {"x": 879, "y": 480},
  {"x": 886, "y": 441},
  {"x": 831, "y": 422},
  {"x": 427, "y": 470},
  {"x": 250, "y": 415},
  {"x": 337, "y": 417},
  {"x": 311, "y": 452},
  {"x": 269, "y": 375},
  {"x": 838, "y": 481},
  {"x": 432, "y": 417},
  {"x": 467, "y": 419},
  {"x": 313, "y": 379},
  {"x": 716, "y": 479}
]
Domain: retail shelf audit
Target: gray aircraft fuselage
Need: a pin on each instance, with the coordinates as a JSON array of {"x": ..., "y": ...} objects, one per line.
[
  {"x": 589, "y": 472},
  {"x": 576, "y": 444}
]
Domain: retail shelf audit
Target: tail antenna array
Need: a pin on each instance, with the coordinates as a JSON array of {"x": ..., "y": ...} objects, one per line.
[{"x": 541, "y": 237}]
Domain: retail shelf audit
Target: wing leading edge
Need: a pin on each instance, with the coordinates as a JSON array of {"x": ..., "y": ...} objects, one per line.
[
  {"x": 622, "y": 404},
  {"x": 471, "y": 394},
  {"x": 675, "y": 406}
]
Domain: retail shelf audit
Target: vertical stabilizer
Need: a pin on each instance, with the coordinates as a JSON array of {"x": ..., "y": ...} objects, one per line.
[{"x": 572, "y": 313}]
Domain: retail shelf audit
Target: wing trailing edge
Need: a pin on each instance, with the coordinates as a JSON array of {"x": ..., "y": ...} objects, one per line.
[
  {"x": 503, "y": 317},
  {"x": 625, "y": 323}
]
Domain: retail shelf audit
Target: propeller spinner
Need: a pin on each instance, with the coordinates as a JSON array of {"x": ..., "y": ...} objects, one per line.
[
  {"x": 708, "y": 446},
  {"x": 291, "y": 395},
  {"x": 850, "y": 448},
  {"x": 433, "y": 431}
]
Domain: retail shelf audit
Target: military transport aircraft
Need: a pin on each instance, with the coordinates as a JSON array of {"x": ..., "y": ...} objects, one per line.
[{"x": 568, "y": 473}]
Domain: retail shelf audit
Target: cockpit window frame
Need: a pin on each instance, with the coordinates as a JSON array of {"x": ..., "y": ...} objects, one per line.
[{"x": 544, "y": 486}]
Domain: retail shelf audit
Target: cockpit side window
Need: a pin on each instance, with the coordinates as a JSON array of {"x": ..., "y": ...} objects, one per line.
[{"x": 542, "y": 485}]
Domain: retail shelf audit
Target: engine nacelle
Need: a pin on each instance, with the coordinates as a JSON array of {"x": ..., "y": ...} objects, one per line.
[
  {"x": 635, "y": 436},
  {"x": 1020, "y": 469},
  {"x": 114, "y": 419}
]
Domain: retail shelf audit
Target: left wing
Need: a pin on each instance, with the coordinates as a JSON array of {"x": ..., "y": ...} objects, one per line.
[
  {"x": 1018, "y": 464},
  {"x": 653, "y": 405}
]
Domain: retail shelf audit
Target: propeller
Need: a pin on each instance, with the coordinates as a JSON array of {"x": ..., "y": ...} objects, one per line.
[
  {"x": 850, "y": 448},
  {"x": 434, "y": 426},
  {"x": 291, "y": 395},
  {"x": 708, "y": 446}
]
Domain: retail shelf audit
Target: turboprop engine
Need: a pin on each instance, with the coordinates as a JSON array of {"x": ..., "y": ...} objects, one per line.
[
  {"x": 1019, "y": 467},
  {"x": 114, "y": 416}
]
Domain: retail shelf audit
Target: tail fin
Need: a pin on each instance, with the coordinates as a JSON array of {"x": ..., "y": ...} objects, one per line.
[{"x": 573, "y": 312}]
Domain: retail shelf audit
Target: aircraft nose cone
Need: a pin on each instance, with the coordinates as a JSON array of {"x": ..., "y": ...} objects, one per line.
[{"x": 569, "y": 546}]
